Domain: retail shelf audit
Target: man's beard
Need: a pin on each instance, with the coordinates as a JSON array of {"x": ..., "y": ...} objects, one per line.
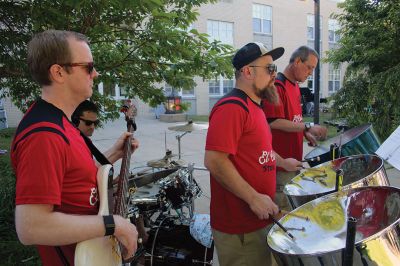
[{"x": 268, "y": 93}]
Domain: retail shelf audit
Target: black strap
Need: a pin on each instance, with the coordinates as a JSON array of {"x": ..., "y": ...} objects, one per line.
[
  {"x": 96, "y": 153},
  {"x": 60, "y": 254}
]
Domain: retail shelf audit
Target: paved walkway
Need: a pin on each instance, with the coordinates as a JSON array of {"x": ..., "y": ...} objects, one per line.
[{"x": 154, "y": 138}]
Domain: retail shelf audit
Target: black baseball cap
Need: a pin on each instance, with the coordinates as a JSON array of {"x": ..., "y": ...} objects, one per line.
[{"x": 252, "y": 51}]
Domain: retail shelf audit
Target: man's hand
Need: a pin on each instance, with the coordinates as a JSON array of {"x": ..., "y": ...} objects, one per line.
[
  {"x": 291, "y": 165},
  {"x": 263, "y": 206},
  {"x": 127, "y": 235},
  {"x": 315, "y": 133},
  {"x": 117, "y": 150}
]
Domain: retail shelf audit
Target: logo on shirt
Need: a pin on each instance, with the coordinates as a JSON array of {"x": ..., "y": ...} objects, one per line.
[
  {"x": 93, "y": 199},
  {"x": 297, "y": 118},
  {"x": 265, "y": 158}
]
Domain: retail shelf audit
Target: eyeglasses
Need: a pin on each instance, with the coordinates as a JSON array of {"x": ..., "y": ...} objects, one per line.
[
  {"x": 90, "y": 122},
  {"x": 89, "y": 66},
  {"x": 310, "y": 68},
  {"x": 272, "y": 68}
]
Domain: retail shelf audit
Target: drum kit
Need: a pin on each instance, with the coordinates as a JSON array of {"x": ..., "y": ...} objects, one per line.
[
  {"x": 344, "y": 210},
  {"x": 162, "y": 207}
]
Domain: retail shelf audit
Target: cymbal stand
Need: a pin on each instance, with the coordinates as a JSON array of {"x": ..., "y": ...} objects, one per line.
[{"x": 178, "y": 137}]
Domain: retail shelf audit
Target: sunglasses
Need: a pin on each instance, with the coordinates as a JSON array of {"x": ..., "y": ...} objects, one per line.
[
  {"x": 272, "y": 68},
  {"x": 90, "y": 122},
  {"x": 89, "y": 66}
]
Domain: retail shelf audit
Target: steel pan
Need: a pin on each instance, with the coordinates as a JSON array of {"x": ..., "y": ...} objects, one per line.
[
  {"x": 321, "y": 239},
  {"x": 359, "y": 170},
  {"x": 358, "y": 140}
]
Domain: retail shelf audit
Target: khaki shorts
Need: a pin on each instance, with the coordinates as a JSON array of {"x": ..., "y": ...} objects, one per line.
[{"x": 249, "y": 249}]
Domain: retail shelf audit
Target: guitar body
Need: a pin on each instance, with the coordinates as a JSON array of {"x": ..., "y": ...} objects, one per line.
[{"x": 102, "y": 250}]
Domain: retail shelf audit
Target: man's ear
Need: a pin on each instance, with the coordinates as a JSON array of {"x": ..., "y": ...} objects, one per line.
[
  {"x": 56, "y": 73},
  {"x": 247, "y": 72}
]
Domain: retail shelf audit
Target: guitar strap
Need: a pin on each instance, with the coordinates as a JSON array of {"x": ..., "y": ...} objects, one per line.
[{"x": 96, "y": 153}]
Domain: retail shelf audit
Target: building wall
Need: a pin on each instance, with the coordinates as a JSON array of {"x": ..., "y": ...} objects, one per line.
[{"x": 289, "y": 30}]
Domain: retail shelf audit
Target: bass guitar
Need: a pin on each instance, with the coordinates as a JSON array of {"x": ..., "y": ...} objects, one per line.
[{"x": 106, "y": 250}]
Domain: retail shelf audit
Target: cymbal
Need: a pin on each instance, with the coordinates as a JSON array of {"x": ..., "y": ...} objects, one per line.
[
  {"x": 166, "y": 163},
  {"x": 188, "y": 127}
]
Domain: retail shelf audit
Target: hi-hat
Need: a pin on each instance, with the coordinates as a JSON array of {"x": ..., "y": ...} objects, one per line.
[{"x": 188, "y": 127}]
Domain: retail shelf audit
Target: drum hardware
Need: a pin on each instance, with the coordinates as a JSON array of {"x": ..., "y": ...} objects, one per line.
[
  {"x": 348, "y": 251},
  {"x": 142, "y": 180},
  {"x": 339, "y": 179},
  {"x": 282, "y": 227}
]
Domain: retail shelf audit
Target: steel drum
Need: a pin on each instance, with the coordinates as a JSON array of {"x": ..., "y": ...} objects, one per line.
[
  {"x": 359, "y": 171},
  {"x": 319, "y": 228},
  {"x": 358, "y": 140}
]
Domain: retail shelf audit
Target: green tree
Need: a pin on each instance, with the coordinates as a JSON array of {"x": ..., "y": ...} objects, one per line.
[
  {"x": 136, "y": 44},
  {"x": 370, "y": 43}
]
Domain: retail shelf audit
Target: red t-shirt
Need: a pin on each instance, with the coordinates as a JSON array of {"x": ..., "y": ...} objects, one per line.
[
  {"x": 238, "y": 127},
  {"x": 53, "y": 166},
  {"x": 286, "y": 144}
]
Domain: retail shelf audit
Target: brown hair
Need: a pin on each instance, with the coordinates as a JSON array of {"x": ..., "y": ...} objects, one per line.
[{"x": 48, "y": 48}]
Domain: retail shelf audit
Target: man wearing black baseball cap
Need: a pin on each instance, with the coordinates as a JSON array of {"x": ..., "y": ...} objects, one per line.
[{"x": 241, "y": 160}]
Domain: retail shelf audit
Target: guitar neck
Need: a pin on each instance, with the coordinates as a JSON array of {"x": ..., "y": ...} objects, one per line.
[{"x": 122, "y": 195}]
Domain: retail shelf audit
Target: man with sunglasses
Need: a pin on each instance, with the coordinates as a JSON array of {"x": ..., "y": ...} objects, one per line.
[
  {"x": 57, "y": 199},
  {"x": 286, "y": 119},
  {"x": 241, "y": 161},
  {"x": 85, "y": 117}
]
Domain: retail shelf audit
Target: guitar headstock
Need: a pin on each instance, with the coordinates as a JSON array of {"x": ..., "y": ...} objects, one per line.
[{"x": 130, "y": 112}]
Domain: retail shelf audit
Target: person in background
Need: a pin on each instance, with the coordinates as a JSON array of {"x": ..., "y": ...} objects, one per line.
[
  {"x": 85, "y": 117},
  {"x": 57, "y": 200},
  {"x": 241, "y": 161},
  {"x": 286, "y": 119}
]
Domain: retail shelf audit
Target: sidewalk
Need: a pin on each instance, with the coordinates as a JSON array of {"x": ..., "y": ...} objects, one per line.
[{"x": 154, "y": 138}]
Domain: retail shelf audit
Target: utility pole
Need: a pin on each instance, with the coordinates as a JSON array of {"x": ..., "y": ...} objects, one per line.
[{"x": 317, "y": 38}]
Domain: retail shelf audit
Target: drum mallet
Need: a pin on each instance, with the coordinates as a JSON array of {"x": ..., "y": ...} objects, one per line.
[
  {"x": 282, "y": 227},
  {"x": 347, "y": 253},
  {"x": 315, "y": 159}
]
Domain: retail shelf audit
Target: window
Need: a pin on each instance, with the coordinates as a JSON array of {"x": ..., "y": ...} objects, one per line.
[
  {"x": 220, "y": 86},
  {"x": 109, "y": 89},
  {"x": 311, "y": 32},
  {"x": 262, "y": 19},
  {"x": 213, "y": 87},
  {"x": 334, "y": 37},
  {"x": 220, "y": 31},
  {"x": 169, "y": 90},
  {"x": 334, "y": 79}
]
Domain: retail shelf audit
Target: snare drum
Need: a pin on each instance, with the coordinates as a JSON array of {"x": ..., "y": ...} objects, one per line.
[
  {"x": 358, "y": 140},
  {"x": 358, "y": 171},
  {"x": 172, "y": 244},
  {"x": 320, "y": 239}
]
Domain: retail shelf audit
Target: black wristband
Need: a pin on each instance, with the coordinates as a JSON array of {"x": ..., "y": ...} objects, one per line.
[{"x": 109, "y": 225}]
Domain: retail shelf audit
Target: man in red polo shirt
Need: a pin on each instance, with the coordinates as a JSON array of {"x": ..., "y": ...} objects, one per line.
[
  {"x": 286, "y": 119},
  {"x": 242, "y": 162}
]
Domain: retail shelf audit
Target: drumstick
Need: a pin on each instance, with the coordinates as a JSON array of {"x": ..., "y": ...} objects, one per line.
[
  {"x": 295, "y": 215},
  {"x": 315, "y": 159},
  {"x": 282, "y": 227}
]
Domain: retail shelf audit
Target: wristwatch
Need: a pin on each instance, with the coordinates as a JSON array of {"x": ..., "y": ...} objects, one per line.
[
  {"x": 109, "y": 225},
  {"x": 308, "y": 125}
]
